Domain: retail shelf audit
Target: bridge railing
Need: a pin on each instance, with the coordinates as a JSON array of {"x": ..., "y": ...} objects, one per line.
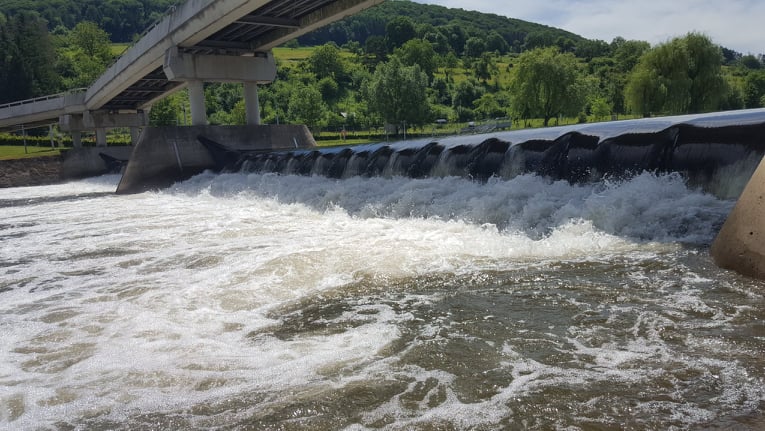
[{"x": 43, "y": 98}]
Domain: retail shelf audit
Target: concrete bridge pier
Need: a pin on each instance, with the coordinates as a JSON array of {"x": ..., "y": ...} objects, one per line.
[
  {"x": 76, "y": 138},
  {"x": 251, "y": 103},
  {"x": 197, "y": 102},
  {"x": 135, "y": 135},
  {"x": 100, "y": 122},
  {"x": 250, "y": 69},
  {"x": 100, "y": 137}
]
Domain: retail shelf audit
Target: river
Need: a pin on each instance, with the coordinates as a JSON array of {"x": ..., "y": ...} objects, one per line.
[{"x": 264, "y": 301}]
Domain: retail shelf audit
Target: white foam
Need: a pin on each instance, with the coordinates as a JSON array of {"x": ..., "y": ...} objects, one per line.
[{"x": 117, "y": 304}]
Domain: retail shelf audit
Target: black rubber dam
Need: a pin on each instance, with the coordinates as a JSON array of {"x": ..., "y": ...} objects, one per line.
[{"x": 708, "y": 150}]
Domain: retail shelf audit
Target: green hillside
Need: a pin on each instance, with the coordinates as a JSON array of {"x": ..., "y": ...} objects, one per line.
[
  {"x": 457, "y": 24},
  {"x": 400, "y": 64}
]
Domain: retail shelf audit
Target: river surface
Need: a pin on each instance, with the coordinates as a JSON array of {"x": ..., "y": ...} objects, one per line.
[{"x": 259, "y": 301}]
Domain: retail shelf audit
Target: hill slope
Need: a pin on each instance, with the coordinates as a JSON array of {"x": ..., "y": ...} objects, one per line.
[
  {"x": 517, "y": 33},
  {"x": 123, "y": 19}
]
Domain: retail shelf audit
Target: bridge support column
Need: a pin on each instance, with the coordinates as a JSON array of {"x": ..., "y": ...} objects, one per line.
[
  {"x": 194, "y": 69},
  {"x": 197, "y": 102},
  {"x": 135, "y": 135},
  {"x": 100, "y": 137},
  {"x": 251, "y": 103},
  {"x": 76, "y": 139}
]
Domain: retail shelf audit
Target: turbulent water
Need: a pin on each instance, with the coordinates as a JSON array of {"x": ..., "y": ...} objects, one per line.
[{"x": 260, "y": 301}]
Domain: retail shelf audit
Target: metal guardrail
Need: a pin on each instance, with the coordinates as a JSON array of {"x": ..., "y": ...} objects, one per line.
[{"x": 43, "y": 98}]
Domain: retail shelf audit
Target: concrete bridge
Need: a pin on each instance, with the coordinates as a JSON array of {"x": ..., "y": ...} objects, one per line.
[{"x": 198, "y": 41}]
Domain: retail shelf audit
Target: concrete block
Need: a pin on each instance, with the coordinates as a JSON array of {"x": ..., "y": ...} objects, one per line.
[
  {"x": 740, "y": 244},
  {"x": 179, "y": 66},
  {"x": 86, "y": 162},
  {"x": 165, "y": 155}
]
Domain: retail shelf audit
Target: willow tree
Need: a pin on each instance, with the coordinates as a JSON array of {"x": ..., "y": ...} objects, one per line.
[
  {"x": 681, "y": 76},
  {"x": 547, "y": 84}
]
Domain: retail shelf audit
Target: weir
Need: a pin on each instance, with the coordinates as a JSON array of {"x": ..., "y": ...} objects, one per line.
[{"x": 718, "y": 153}]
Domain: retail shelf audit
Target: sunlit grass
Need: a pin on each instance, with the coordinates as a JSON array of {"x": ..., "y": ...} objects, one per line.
[
  {"x": 10, "y": 152},
  {"x": 118, "y": 48},
  {"x": 291, "y": 55}
]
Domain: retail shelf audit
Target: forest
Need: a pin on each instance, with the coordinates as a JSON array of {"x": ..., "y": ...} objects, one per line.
[{"x": 402, "y": 63}]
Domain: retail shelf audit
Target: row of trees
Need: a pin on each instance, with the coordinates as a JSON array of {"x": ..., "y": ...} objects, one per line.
[
  {"x": 413, "y": 69},
  {"x": 415, "y": 85},
  {"x": 34, "y": 62},
  {"x": 122, "y": 19},
  {"x": 447, "y": 29}
]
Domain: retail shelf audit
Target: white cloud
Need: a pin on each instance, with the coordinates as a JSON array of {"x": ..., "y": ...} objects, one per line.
[{"x": 735, "y": 24}]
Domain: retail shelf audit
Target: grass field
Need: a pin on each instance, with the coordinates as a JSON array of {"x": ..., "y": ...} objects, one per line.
[
  {"x": 9, "y": 152},
  {"x": 118, "y": 48}
]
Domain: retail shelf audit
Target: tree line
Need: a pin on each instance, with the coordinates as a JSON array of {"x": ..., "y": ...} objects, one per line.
[
  {"x": 123, "y": 20},
  {"x": 407, "y": 63}
]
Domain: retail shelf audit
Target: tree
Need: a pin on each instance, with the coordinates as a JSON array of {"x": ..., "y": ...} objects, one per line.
[
  {"x": 93, "y": 41},
  {"x": 705, "y": 72},
  {"x": 600, "y": 108},
  {"x": 329, "y": 89},
  {"x": 754, "y": 89},
  {"x": 398, "y": 93},
  {"x": 474, "y": 47},
  {"x": 466, "y": 93},
  {"x": 750, "y": 62},
  {"x": 547, "y": 84},
  {"x": 306, "y": 106},
  {"x": 398, "y": 31},
  {"x": 164, "y": 112},
  {"x": 27, "y": 58},
  {"x": 439, "y": 42},
  {"x": 588, "y": 49},
  {"x": 89, "y": 54},
  {"x": 539, "y": 39},
  {"x": 644, "y": 92},
  {"x": 455, "y": 34},
  {"x": 496, "y": 43},
  {"x": 488, "y": 106},
  {"x": 325, "y": 61},
  {"x": 417, "y": 51},
  {"x": 375, "y": 46},
  {"x": 626, "y": 53},
  {"x": 681, "y": 76},
  {"x": 485, "y": 67}
]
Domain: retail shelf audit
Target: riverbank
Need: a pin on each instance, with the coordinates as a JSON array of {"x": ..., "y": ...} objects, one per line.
[{"x": 34, "y": 171}]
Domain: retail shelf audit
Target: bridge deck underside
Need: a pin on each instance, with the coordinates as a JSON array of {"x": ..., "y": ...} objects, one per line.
[
  {"x": 237, "y": 38},
  {"x": 142, "y": 91}
]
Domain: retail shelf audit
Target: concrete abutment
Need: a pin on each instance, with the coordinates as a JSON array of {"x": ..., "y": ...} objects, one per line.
[
  {"x": 740, "y": 244},
  {"x": 165, "y": 155}
]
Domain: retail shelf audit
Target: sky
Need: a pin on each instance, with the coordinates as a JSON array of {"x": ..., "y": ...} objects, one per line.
[{"x": 734, "y": 24}]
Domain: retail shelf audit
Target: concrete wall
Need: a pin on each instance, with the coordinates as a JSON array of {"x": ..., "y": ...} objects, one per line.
[
  {"x": 86, "y": 162},
  {"x": 740, "y": 244},
  {"x": 165, "y": 155}
]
